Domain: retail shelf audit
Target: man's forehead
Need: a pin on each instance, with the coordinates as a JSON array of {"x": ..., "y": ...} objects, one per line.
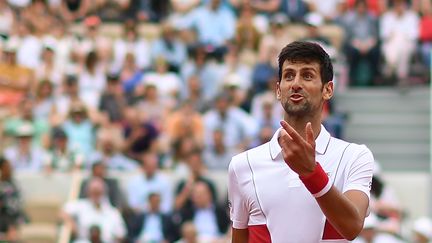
[{"x": 299, "y": 65}]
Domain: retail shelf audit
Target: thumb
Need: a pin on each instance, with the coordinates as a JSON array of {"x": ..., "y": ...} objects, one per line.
[{"x": 310, "y": 138}]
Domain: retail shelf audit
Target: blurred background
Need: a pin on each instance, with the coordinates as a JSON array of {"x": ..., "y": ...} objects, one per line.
[{"x": 118, "y": 118}]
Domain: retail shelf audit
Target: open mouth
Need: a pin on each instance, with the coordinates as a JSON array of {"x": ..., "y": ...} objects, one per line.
[{"x": 296, "y": 97}]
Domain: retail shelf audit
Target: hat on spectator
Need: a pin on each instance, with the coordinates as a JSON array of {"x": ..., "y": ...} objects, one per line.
[
  {"x": 423, "y": 226},
  {"x": 24, "y": 130},
  {"x": 232, "y": 80},
  {"x": 77, "y": 107},
  {"x": 314, "y": 19}
]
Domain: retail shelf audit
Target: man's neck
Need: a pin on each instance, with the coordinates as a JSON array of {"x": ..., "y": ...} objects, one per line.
[{"x": 299, "y": 124}]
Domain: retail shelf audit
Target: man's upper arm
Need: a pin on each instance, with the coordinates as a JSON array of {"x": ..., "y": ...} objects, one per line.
[
  {"x": 239, "y": 213},
  {"x": 359, "y": 179}
]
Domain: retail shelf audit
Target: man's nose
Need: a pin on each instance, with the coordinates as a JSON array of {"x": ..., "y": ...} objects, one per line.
[{"x": 296, "y": 84}]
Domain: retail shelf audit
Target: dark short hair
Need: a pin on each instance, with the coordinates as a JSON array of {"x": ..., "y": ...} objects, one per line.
[{"x": 303, "y": 51}]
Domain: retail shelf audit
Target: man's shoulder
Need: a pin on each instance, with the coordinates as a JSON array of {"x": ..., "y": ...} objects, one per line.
[
  {"x": 242, "y": 159},
  {"x": 355, "y": 150}
]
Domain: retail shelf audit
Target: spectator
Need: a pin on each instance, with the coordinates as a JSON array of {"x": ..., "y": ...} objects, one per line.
[
  {"x": 185, "y": 122},
  {"x": 30, "y": 45},
  {"x": 49, "y": 69},
  {"x": 15, "y": 79},
  {"x": 328, "y": 10},
  {"x": 113, "y": 101},
  {"x": 6, "y": 19},
  {"x": 314, "y": 22},
  {"x": 294, "y": 9},
  {"x": 422, "y": 230},
  {"x": 154, "y": 226},
  {"x": 188, "y": 233},
  {"x": 426, "y": 32},
  {"x": 44, "y": 103},
  {"x": 168, "y": 84},
  {"x": 234, "y": 121},
  {"x": 399, "y": 34},
  {"x": 94, "y": 236},
  {"x": 38, "y": 14},
  {"x": 361, "y": 44},
  {"x": 215, "y": 26},
  {"x": 112, "y": 188},
  {"x": 247, "y": 35},
  {"x": 210, "y": 220},
  {"x": 11, "y": 211},
  {"x": 265, "y": 7},
  {"x": 371, "y": 233},
  {"x": 39, "y": 126},
  {"x": 109, "y": 144},
  {"x": 153, "y": 10},
  {"x": 150, "y": 180},
  {"x": 130, "y": 77},
  {"x": 92, "y": 81},
  {"x": 92, "y": 211},
  {"x": 169, "y": 47},
  {"x": 140, "y": 135},
  {"x": 197, "y": 173},
  {"x": 79, "y": 129},
  {"x": 178, "y": 154},
  {"x": 69, "y": 96},
  {"x": 218, "y": 156},
  {"x": 60, "y": 156},
  {"x": 22, "y": 155},
  {"x": 131, "y": 42}
]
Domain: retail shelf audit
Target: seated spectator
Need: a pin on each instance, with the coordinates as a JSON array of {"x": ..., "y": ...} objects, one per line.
[
  {"x": 211, "y": 221},
  {"x": 168, "y": 84},
  {"x": 266, "y": 110},
  {"x": 329, "y": 10},
  {"x": 109, "y": 144},
  {"x": 218, "y": 156},
  {"x": 94, "y": 236},
  {"x": 361, "y": 44},
  {"x": 79, "y": 129},
  {"x": 130, "y": 76},
  {"x": 294, "y": 9},
  {"x": 25, "y": 115},
  {"x": 113, "y": 101},
  {"x": 140, "y": 135},
  {"x": 264, "y": 7},
  {"x": 69, "y": 96},
  {"x": 92, "y": 211},
  {"x": 11, "y": 211},
  {"x": 188, "y": 233},
  {"x": 39, "y": 15},
  {"x": 422, "y": 230},
  {"x": 112, "y": 188},
  {"x": 426, "y": 32},
  {"x": 215, "y": 26},
  {"x": 185, "y": 122},
  {"x": 234, "y": 121},
  {"x": 399, "y": 34},
  {"x": 372, "y": 234},
  {"x": 153, "y": 10},
  {"x": 44, "y": 102},
  {"x": 30, "y": 46},
  {"x": 22, "y": 155},
  {"x": 92, "y": 81},
  {"x": 178, "y": 154},
  {"x": 154, "y": 225},
  {"x": 169, "y": 47},
  {"x": 149, "y": 180},
  {"x": 247, "y": 35},
  {"x": 60, "y": 156},
  {"x": 15, "y": 79},
  {"x": 6, "y": 19},
  {"x": 197, "y": 173},
  {"x": 131, "y": 42},
  {"x": 49, "y": 69},
  {"x": 313, "y": 23}
]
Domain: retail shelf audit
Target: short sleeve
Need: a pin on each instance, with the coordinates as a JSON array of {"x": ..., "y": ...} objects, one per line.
[
  {"x": 239, "y": 213},
  {"x": 359, "y": 176}
]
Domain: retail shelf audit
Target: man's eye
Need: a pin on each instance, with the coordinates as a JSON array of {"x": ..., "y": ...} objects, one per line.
[
  {"x": 308, "y": 76},
  {"x": 289, "y": 76}
]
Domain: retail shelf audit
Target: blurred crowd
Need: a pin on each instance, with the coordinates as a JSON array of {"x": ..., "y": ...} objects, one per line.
[{"x": 184, "y": 101}]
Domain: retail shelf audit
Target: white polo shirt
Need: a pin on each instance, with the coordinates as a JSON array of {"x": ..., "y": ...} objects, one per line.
[{"x": 269, "y": 199}]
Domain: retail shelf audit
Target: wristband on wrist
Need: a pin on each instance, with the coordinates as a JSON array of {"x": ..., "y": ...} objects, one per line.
[{"x": 318, "y": 182}]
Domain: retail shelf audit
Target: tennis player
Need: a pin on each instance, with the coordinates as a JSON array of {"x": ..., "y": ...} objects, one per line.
[{"x": 303, "y": 186}]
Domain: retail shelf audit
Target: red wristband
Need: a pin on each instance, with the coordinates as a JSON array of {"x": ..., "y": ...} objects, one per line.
[{"x": 318, "y": 182}]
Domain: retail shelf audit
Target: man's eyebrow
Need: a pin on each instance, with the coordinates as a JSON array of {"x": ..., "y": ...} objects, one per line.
[{"x": 309, "y": 69}]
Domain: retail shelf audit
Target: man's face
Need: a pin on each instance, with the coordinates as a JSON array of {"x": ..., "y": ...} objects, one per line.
[{"x": 300, "y": 89}]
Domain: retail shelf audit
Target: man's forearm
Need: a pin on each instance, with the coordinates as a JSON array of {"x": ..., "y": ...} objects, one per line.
[{"x": 342, "y": 212}]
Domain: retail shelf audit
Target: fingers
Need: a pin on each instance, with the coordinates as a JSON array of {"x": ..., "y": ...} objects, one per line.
[
  {"x": 293, "y": 134},
  {"x": 310, "y": 137}
]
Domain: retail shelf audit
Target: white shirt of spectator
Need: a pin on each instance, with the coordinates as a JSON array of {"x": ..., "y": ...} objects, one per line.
[
  {"x": 166, "y": 84},
  {"x": 107, "y": 218},
  {"x": 140, "y": 48},
  {"x": 287, "y": 208}
]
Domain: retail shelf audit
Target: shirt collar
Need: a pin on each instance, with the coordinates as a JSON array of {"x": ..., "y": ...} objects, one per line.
[{"x": 321, "y": 143}]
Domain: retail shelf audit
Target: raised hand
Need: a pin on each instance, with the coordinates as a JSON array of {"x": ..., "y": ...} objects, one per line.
[{"x": 298, "y": 153}]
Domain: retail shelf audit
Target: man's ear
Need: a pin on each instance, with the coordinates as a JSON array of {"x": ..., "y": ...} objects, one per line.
[
  {"x": 278, "y": 91},
  {"x": 328, "y": 90}
]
